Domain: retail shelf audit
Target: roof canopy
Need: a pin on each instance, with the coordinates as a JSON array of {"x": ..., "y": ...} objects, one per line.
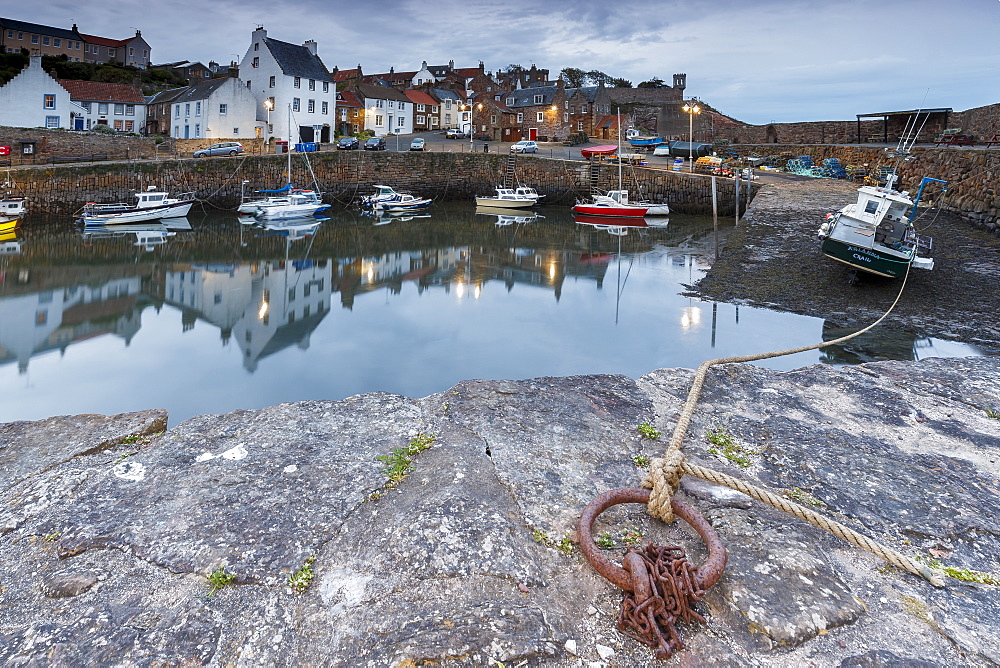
[{"x": 909, "y": 112}]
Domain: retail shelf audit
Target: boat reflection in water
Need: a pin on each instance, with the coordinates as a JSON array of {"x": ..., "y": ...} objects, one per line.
[
  {"x": 148, "y": 235},
  {"x": 386, "y": 217},
  {"x": 881, "y": 344},
  {"x": 606, "y": 222},
  {"x": 506, "y": 217},
  {"x": 292, "y": 229}
]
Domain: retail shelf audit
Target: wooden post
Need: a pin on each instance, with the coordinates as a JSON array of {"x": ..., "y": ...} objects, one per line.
[
  {"x": 715, "y": 217},
  {"x": 737, "y": 183}
]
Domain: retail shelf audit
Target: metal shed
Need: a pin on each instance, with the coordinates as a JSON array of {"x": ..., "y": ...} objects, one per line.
[{"x": 929, "y": 122}]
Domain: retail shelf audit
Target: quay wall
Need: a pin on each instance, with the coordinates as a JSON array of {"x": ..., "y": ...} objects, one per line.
[
  {"x": 973, "y": 192},
  {"x": 345, "y": 175}
]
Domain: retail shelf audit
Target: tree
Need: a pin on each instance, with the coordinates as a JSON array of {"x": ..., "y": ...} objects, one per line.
[
  {"x": 619, "y": 83},
  {"x": 596, "y": 77},
  {"x": 573, "y": 76},
  {"x": 655, "y": 82}
]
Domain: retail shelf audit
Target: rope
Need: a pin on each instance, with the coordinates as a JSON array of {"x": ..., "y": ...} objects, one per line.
[{"x": 665, "y": 473}]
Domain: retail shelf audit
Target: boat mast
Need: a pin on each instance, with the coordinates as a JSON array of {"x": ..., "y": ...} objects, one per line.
[{"x": 619, "y": 114}]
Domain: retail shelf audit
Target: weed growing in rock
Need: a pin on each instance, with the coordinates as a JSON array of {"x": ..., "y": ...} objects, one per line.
[
  {"x": 631, "y": 536},
  {"x": 642, "y": 461},
  {"x": 802, "y": 496},
  {"x": 648, "y": 431},
  {"x": 52, "y": 537},
  {"x": 564, "y": 544},
  {"x": 963, "y": 574},
  {"x": 605, "y": 540},
  {"x": 219, "y": 579},
  {"x": 991, "y": 413},
  {"x": 301, "y": 580},
  {"x": 725, "y": 445},
  {"x": 400, "y": 462}
]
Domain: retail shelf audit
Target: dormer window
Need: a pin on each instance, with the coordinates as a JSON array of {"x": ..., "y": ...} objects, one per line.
[
  {"x": 510, "y": 101},
  {"x": 539, "y": 99}
]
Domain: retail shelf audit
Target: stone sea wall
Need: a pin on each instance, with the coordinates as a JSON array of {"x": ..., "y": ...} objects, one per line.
[{"x": 345, "y": 175}]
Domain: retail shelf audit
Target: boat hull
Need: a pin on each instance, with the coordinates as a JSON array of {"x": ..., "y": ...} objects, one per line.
[
  {"x": 496, "y": 203},
  {"x": 866, "y": 259},
  {"x": 9, "y": 225},
  {"x": 619, "y": 211},
  {"x": 174, "y": 210}
]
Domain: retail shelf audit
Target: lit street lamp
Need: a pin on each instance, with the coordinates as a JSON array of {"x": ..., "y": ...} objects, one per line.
[
  {"x": 691, "y": 109},
  {"x": 269, "y": 105}
]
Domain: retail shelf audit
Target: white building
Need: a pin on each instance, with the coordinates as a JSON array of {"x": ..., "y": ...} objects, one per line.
[
  {"x": 215, "y": 109},
  {"x": 387, "y": 110},
  {"x": 293, "y": 86},
  {"x": 34, "y": 99},
  {"x": 118, "y": 106}
]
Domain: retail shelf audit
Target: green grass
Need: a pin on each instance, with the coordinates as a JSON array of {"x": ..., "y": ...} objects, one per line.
[
  {"x": 642, "y": 461},
  {"x": 219, "y": 579},
  {"x": 963, "y": 574},
  {"x": 301, "y": 580},
  {"x": 648, "y": 431},
  {"x": 399, "y": 463},
  {"x": 724, "y": 444}
]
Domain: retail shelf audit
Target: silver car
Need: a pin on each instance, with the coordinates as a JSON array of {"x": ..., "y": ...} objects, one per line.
[
  {"x": 525, "y": 146},
  {"x": 222, "y": 148}
]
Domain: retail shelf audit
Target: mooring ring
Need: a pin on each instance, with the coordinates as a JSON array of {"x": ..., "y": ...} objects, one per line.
[{"x": 708, "y": 573}]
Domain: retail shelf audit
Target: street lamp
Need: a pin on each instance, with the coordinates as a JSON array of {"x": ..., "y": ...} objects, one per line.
[
  {"x": 269, "y": 105},
  {"x": 691, "y": 109}
]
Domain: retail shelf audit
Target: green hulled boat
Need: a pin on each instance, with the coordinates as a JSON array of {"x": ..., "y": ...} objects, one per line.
[{"x": 876, "y": 233}]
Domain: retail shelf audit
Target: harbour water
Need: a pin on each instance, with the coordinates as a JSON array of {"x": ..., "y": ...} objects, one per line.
[{"x": 213, "y": 314}]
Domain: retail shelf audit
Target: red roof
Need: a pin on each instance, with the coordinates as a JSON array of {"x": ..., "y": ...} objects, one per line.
[
  {"x": 420, "y": 97},
  {"x": 346, "y": 98},
  {"x": 98, "y": 92},
  {"x": 104, "y": 41},
  {"x": 344, "y": 75}
]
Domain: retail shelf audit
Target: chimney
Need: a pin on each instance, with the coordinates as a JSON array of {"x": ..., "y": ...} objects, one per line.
[{"x": 311, "y": 45}]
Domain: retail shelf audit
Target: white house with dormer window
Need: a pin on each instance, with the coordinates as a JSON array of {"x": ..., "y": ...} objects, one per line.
[
  {"x": 387, "y": 110},
  {"x": 34, "y": 99},
  {"x": 292, "y": 86}
]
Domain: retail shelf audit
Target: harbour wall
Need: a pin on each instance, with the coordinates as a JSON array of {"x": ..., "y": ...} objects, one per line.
[{"x": 343, "y": 176}]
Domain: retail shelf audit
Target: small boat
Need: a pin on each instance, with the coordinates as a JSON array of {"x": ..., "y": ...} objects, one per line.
[
  {"x": 381, "y": 193},
  {"x": 402, "y": 202},
  {"x": 876, "y": 233},
  {"x": 8, "y": 224},
  {"x": 621, "y": 197},
  {"x": 645, "y": 142},
  {"x": 527, "y": 191},
  {"x": 507, "y": 198},
  {"x": 296, "y": 204},
  {"x": 151, "y": 204},
  {"x": 604, "y": 205},
  {"x": 12, "y": 207},
  {"x": 594, "y": 151}
]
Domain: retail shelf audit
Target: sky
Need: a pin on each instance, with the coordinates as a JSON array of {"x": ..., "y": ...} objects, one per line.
[{"x": 760, "y": 61}]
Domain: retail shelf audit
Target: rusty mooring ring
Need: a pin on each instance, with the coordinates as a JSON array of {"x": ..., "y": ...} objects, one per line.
[{"x": 708, "y": 573}]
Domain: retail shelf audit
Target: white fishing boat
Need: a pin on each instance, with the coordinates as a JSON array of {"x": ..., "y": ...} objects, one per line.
[
  {"x": 151, "y": 204},
  {"x": 527, "y": 191},
  {"x": 614, "y": 197},
  {"x": 287, "y": 201},
  {"x": 507, "y": 198},
  {"x": 402, "y": 202},
  {"x": 381, "y": 194}
]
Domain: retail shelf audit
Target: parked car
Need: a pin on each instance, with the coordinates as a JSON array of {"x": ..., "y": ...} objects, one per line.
[
  {"x": 348, "y": 143},
  {"x": 375, "y": 144},
  {"x": 454, "y": 133},
  {"x": 222, "y": 148},
  {"x": 524, "y": 146},
  {"x": 417, "y": 144}
]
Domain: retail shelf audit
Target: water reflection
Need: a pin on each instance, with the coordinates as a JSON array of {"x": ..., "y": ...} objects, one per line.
[{"x": 227, "y": 313}]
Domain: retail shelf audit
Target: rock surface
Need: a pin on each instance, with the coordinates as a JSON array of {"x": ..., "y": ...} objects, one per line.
[{"x": 109, "y": 543}]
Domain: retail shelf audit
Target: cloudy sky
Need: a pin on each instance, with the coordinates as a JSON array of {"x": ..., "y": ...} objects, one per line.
[{"x": 760, "y": 61}]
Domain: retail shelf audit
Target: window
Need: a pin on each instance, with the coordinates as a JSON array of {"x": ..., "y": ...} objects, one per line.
[
  {"x": 130, "y": 110},
  {"x": 119, "y": 125},
  {"x": 579, "y": 126},
  {"x": 872, "y": 206},
  {"x": 51, "y": 121},
  {"x": 295, "y": 104},
  {"x": 129, "y": 126},
  {"x": 297, "y": 82},
  {"x": 86, "y": 106},
  {"x": 520, "y": 118},
  {"x": 312, "y": 84},
  {"x": 34, "y": 39},
  {"x": 400, "y": 121},
  {"x": 379, "y": 120},
  {"x": 255, "y": 62},
  {"x": 510, "y": 102},
  {"x": 57, "y": 42},
  {"x": 256, "y": 46},
  {"x": 102, "y": 108},
  {"x": 177, "y": 111},
  {"x": 223, "y": 108},
  {"x": 49, "y": 101},
  {"x": 145, "y": 54},
  {"x": 236, "y": 132},
  {"x": 187, "y": 109},
  {"x": 10, "y": 34},
  {"x": 248, "y": 83},
  {"x": 447, "y": 119},
  {"x": 326, "y": 86},
  {"x": 565, "y": 117},
  {"x": 325, "y": 107},
  {"x": 493, "y": 119},
  {"x": 45, "y": 41},
  {"x": 311, "y": 106},
  {"x": 402, "y": 106},
  {"x": 197, "y": 108},
  {"x": 20, "y": 35},
  {"x": 583, "y": 108},
  {"x": 420, "y": 107},
  {"x": 539, "y": 99},
  {"x": 131, "y": 51},
  {"x": 379, "y": 103},
  {"x": 177, "y": 131},
  {"x": 391, "y": 105},
  {"x": 111, "y": 53},
  {"x": 270, "y": 83},
  {"x": 197, "y": 129},
  {"x": 540, "y": 116},
  {"x": 119, "y": 110},
  {"x": 420, "y": 120}
]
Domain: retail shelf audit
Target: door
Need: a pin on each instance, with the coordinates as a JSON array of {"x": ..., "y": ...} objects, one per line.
[
  {"x": 78, "y": 123},
  {"x": 533, "y": 134}
]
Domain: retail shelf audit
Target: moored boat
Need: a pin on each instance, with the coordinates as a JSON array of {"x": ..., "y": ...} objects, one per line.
[
  {"x": 876, "y": 234},
  {"x": 402, "y": 202},
  {"x": 621, "y": 197},
  {"x": 594, "y": 151},
  {"x": 151, "y": 204},
  {"x": 507, "y": 198},
  {"x": 645, "y": 142}
]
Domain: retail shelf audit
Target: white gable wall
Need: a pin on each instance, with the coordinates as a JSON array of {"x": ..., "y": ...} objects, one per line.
[{"x": 23, "y": 100}]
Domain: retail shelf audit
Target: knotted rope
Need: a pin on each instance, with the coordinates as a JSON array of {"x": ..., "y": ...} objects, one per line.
[{"x": 665, "y": 472}]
